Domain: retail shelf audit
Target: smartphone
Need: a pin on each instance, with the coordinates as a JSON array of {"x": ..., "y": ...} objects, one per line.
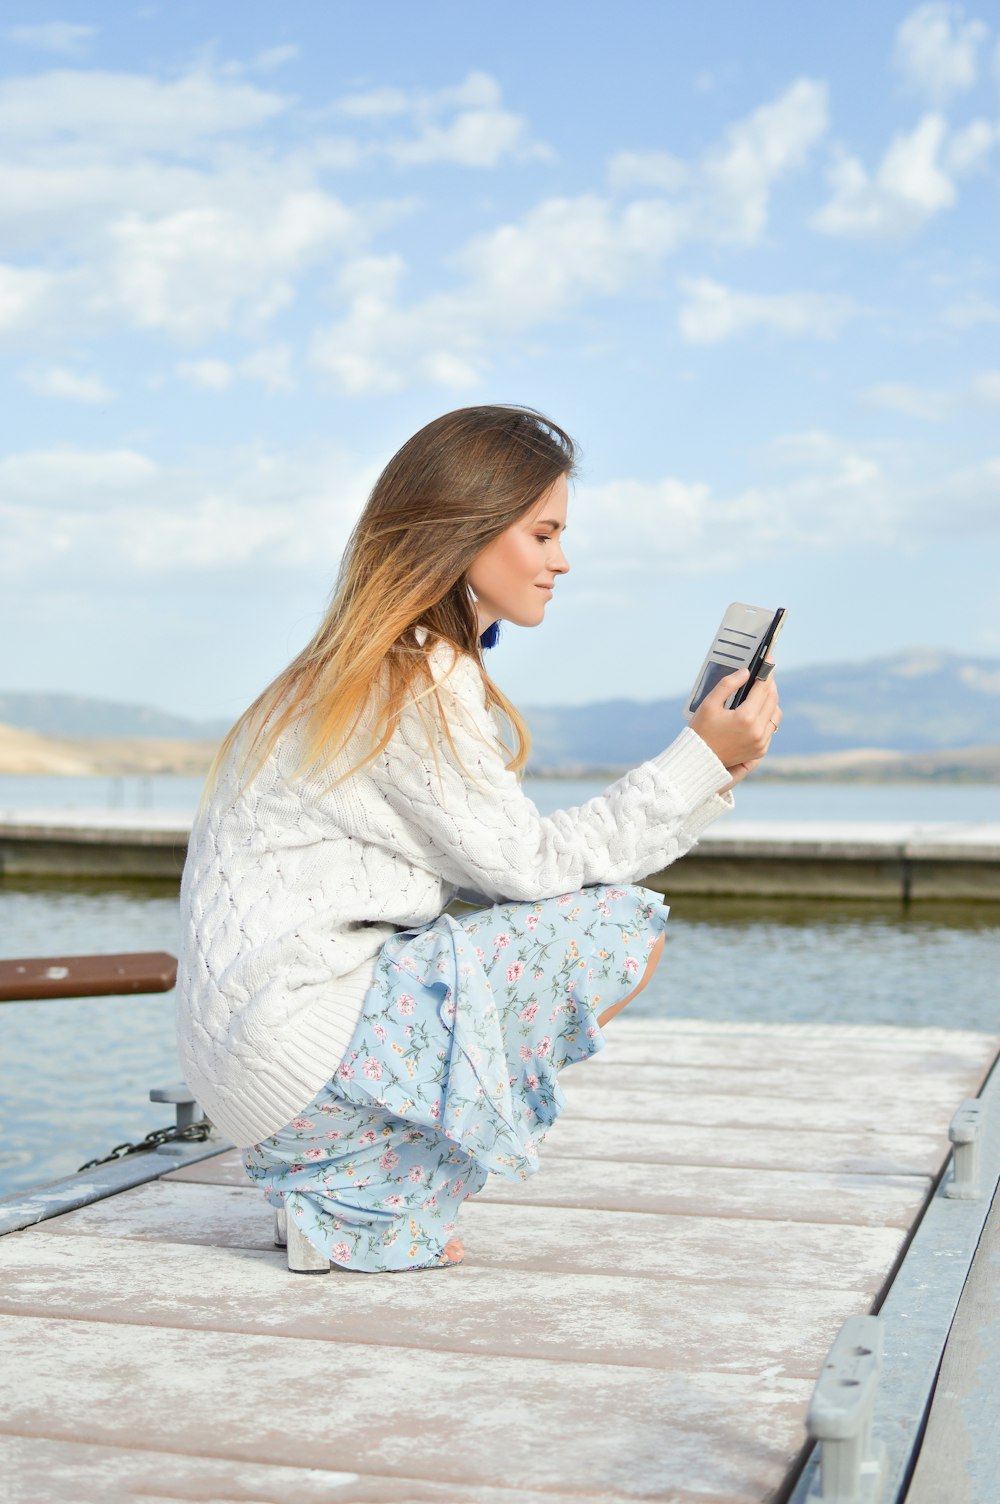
[{"x": 745, "y": 636}]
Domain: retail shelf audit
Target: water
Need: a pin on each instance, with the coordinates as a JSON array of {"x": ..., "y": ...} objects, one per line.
[
  {"x": 966, "y": 802},
  {"x": 77, "y": 1074},
  {"x": 972, "y": 803},
  {"x": 161, "y": 791}
]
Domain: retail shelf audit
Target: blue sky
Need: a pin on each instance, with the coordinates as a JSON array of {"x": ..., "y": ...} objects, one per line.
[{"x": 746, "y": 255}]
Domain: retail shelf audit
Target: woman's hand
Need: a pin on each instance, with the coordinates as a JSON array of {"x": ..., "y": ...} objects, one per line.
[{"x": 739, "y": 738}]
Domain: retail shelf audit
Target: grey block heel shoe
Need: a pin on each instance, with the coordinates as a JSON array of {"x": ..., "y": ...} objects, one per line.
[{"x": 303, "y": 1256}]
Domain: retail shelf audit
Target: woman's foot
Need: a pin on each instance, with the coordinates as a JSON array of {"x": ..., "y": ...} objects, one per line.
[{"x": 453, "y": 1251}]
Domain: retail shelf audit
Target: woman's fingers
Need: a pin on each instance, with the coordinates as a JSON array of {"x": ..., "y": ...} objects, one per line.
[{"x": 741, "y": 736}]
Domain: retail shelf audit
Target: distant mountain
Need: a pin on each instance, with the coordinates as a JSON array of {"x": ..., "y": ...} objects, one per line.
[
  {"x": 78, "y": 715},
  {"x": 921, "y": 701}
]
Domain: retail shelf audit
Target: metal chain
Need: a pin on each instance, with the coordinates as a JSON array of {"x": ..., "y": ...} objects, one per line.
[{"x": 194, "y": 1133}]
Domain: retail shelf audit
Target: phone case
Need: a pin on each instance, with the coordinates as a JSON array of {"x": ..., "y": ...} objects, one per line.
[{"x": 745, "y": 635}]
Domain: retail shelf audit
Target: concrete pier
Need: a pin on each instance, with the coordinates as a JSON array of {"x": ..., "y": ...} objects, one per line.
[{"x": 766, "y": 859}]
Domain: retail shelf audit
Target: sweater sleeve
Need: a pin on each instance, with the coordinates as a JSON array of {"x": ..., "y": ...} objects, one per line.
[{"x": 481, "y": 831}]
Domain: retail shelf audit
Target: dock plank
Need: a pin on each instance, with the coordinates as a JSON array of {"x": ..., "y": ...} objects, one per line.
[
  {"x": 575, "y": 1318},
  {"x": 638, "y": 1082},
  {"x": 563, "y": 1239},
  {"x": 836, "y": 1112},
  {"x": 688, "y": 1190},
  {"x": 641, "y": 1432},
  {"x": 37, "y": 1470},
  {"x": 864, "y": 1152},
  {"x": 696, "y": 1190}
]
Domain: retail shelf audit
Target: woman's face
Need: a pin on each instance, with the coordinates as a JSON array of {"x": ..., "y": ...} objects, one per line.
[{"x": 513, "y": 576}]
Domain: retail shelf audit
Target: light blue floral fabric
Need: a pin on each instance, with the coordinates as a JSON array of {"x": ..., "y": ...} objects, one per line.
[{"x": 452, "y": 1071}]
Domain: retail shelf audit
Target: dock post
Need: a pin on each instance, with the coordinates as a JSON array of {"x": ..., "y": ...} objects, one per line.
[
  {"x": 966, "y": 1134},
  {"x": 840, "y": 1416},
  {"x": 188, "y": 1110}
]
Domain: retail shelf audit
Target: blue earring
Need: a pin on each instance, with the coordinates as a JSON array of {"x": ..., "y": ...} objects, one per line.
[{"x": 491, "y": 636}]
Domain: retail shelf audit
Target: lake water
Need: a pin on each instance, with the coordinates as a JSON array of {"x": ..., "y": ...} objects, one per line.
[
  {"x": 755, "y": 800},
  {"x": 77, "y": 1074}
]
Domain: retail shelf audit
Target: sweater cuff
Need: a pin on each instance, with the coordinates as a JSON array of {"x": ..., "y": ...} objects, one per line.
[
  {"x": 710, "y": 809},
  {"x": 692, "y": 771}
]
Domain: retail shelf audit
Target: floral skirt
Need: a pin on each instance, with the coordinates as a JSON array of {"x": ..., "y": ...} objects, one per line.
[{"x": 451, "y": 1073}]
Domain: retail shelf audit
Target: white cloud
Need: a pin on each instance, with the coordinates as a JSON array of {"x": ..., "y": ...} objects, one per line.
[
  {"x": 565, "y": 249},
  {"x": 165, "y": 213},
  {"x": 823, "y": 494},
  {"x": 936, "y": 50},
  {"x": 73, "y": 478},
  {"x": 836, "y": 495},
  {"x": 271, "y": 367},
  {"x": 726, "y": 194},
  {"x": 925, "y": 404},
  {"x": 57, "y": 381},
  {"x": 24, "y": 294},
  {"x": 910, "y": 186},
  {"x": 479, "y": 132},
  {"x": 129, "y": 112},
  {"x": 192, "y": 272},
  {"x": 274, "y": 57},
  {"x": 987, "y": 387},
  {"x": 518, "y": 276},
  {"x": 118, "y": 514},
  {"x": 712, "y": 312},
  {"x": 933, "y": 404},
  {"x": 969, "y": 149},
  {"x": 207, "y": 375},
  {"x": 475, "y": 138},
  {"x": 647, "y": 169},
  {"x": 564, "y": 252},
  {"x": 54, "y": 36},
  {"x": 776, "y": 139},
  {"x": 376, "y": 104},
  {"x": 973, "y": 311}
]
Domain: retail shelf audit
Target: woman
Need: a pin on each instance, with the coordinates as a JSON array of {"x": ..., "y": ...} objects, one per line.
[{"x": 374, "y": 1055}]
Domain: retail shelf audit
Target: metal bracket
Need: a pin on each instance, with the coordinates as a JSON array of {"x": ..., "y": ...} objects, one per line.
[
  {"x": 851, "y": 1466},
  {"x": 188, "y": 1110},
  {"x": 966, "y": 1134}
]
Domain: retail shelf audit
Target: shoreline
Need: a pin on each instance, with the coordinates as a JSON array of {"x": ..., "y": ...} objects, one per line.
[{"x": 30, "y": 754}]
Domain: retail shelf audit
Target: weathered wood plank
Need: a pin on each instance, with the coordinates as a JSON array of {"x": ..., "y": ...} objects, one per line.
[
  {"x": 575, "y": 1318},
  {"x": 394, "y": 1411},
  {"x": 710, "y": 1191},
  {"x": 840, "y": 1112},
  {"x": 863, "y": 1152},
  {"x": 36, "y": 1470},
  {"x": 960, "y": 1455},
  {"x": 791, "y": 1082},
  {"x": 729, "y": 1038},
  {"x": 543, "y": 1238},
  {"x": 688, "y": 1190}
]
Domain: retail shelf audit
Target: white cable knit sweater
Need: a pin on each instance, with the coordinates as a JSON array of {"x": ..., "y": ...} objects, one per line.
[{"x": 291, "y": 887}]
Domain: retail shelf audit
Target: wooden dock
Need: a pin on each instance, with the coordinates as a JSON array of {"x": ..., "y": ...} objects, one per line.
[
  {"x": 819, "y": 859},
  {"x": 642, "y": 1320}
]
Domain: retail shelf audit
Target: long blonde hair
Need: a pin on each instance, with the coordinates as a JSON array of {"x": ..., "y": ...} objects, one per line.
[{"x": 451, "y": 489}]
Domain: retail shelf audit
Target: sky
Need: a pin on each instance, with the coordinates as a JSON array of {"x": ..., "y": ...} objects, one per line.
[{"x": 746, "y": 255}]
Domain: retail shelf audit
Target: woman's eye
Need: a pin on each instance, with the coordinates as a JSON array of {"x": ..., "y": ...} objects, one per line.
[{"x": 542, "y": 537}]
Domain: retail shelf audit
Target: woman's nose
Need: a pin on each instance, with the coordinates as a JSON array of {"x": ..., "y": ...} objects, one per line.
[{"x": 561, "y": 563}]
